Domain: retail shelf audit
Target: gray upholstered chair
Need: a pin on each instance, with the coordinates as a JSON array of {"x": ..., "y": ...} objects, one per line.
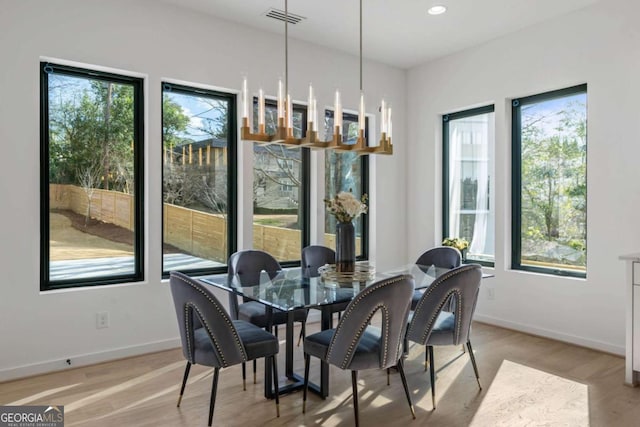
[
  {"x": 248, "y": 265},
  {"x": 440, "y": 256},
  {"x": 314, "y": 257},
  {"x": 209, "y": 336},
  {"x": 356, "y": 345},
  {"x": 430, "y": 325}
]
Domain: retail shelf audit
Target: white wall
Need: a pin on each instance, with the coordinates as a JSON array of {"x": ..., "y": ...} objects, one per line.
[
  {"x": 39, "y": 331},
  {"x": 599, "y": 46}
]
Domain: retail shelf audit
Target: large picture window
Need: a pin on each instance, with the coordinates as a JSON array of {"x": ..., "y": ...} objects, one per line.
[
  {"x": 91, "y": 177},
  {"x": 198, "y": 181},
  {"x": 468, "y": 187},
  {"x": 346, "y": 171},
  {"x": 550, "y": 182},
  {"x": 281, "y": 191}
]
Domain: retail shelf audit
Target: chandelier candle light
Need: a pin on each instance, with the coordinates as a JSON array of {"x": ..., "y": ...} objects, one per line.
[{"x": 284, "y": 130}]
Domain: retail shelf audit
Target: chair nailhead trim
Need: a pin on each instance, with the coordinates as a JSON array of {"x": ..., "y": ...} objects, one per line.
[
  {"x": 434, "y": 316},
  {"x": 352, "y": 306},
  {"x": 224, "y": 315}
]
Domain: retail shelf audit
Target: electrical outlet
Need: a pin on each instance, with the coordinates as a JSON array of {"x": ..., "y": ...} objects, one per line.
[
  {"x": 491, "y": 293},
  {"x": 102, "y": 320}
]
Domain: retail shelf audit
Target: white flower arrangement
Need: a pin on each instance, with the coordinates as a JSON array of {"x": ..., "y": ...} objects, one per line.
[{"x": 346, "y": 207}]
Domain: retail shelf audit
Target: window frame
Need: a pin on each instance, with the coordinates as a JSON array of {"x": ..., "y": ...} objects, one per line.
[
  {"x": 364, "y": 183},
  {"x": 516, "y": 179},
  {"x": 232, "y": 171},
  {"x": 139, "y": 143},
  {"x": 305, "y": 179},
  {"x": 446, "y": 119}
]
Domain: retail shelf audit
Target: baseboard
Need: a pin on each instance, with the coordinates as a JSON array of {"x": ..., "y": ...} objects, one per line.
[
  {"x": 86, "y": 359},
  {"x": 547, "y": 333},
  {"x": 314, "y": 316}
]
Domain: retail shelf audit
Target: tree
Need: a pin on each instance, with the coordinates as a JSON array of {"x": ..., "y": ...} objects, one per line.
[
  {"x": 339, "y": 167},
  {"x": 214, "y": 125},
  {"x": 554, "y": 179},
  {"x": 89, "y": 120},
  {"x": 174, "y": 122},
  {"x": 277, "y": 167},
  {"x": 89, "y": 179}
]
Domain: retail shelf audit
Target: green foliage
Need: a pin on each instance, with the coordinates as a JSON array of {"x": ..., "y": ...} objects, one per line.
[
  {"x": 174, "y": 122},
  {"x": 91, "y": 123},
  {"x": 554, "y": 182}
]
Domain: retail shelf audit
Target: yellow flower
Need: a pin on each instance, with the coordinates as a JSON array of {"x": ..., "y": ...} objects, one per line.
[{"x": 457, "y": 242}]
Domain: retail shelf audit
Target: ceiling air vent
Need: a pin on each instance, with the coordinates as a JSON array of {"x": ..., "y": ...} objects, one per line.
[{"x": 281, "y": 16}]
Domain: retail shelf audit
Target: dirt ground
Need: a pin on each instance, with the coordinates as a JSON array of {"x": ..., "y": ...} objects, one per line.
[
  {"x": 68, "y": 243},
  {"x": 71, "y": 239}
]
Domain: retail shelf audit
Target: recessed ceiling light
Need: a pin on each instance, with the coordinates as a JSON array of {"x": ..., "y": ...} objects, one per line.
[{"x": 437, "y": 10}]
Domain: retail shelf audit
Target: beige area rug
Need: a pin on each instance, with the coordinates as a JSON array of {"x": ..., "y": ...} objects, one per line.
[{"x": 523, "y": 396}]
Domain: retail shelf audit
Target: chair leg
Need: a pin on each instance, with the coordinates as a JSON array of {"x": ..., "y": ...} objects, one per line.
[
  {"x": 400, "y": 367},
  {"x": 426, "y": 359},
  {"x": 275, "y": 383},
  {"x": 354, "y": 385},
  {"x": 184, "y": 382},
  {"x": 388, "y": 376},
  {"x": 214, "y": 388},
  {"x": 463, "y": 349},
  {"x": 307, "y": 361},
  {"x": 405, "y": 347},
  {"x": 303, "y": 332},
  {"x": 432, "y": 372},
  {"x": 255, "y": 369},
  {"x": 473, "y": 362},
  {"x": 244, "y": 376}
]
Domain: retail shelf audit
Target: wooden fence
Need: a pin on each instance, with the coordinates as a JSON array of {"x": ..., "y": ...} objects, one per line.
[
  {"x": 196, "y": 233},
  {"x": 107, "y": 206}
]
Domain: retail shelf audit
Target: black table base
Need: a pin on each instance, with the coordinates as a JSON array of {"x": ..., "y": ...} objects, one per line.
[{"x": 296, "y": 382}]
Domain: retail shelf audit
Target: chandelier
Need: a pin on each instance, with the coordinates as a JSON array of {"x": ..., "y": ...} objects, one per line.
[{"x": 284, "y": 127}]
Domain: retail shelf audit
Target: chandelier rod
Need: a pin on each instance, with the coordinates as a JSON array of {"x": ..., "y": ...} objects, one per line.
[
  {"x": 286, "y": 49},
  {"x": 361, "y": 46}
]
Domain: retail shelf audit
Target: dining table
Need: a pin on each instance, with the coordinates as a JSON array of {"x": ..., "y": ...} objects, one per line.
[{"x": 289, "y": 290}]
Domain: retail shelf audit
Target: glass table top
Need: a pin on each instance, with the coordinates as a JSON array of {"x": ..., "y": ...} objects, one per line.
[{"x": 288, "y": 290}]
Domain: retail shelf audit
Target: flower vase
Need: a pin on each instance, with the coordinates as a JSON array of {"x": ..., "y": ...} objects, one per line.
[{"x": 345, "y": 247}]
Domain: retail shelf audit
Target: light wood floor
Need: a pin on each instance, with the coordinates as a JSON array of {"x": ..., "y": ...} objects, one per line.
[{"x": 142, "y": 391}]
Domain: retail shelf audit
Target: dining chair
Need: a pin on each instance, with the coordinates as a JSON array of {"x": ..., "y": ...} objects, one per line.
[
  {"x": 440, "y": 256},
  {"x": 247, "y": 266},
  {"x": 314, "y": 257},
  {"x": 210, "y": 338},
  {"x": 430, "y": 325},
  {"x": 356, "y": 345}
]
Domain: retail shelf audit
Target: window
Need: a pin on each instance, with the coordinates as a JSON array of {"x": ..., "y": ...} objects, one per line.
[
  {"x": 198, "y": 180},
  {"x": 286, "y": 187},
  {"x": 346, "y": 171},
  {"x": 550, "y": 182},
  {"x": 281, "y": 191},
  {"x": 468, "y": 169},
  {"x": 91, "y": 185}
]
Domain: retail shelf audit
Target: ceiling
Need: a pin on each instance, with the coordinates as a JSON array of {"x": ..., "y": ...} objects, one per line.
[{"x": 399, "y": 32}]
